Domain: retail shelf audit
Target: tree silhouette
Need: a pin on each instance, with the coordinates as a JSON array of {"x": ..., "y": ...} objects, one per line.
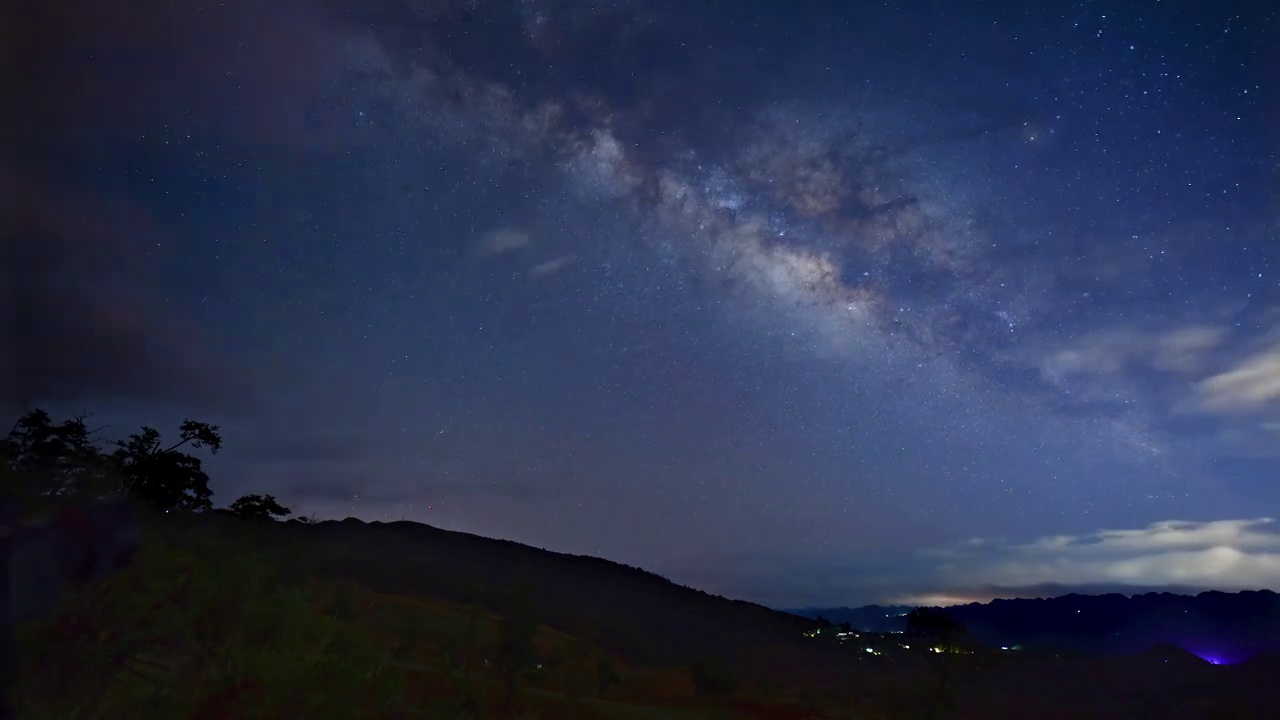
[
  {"x": 258, "y": 507},
  {"x": 936, "y": 625},
  {"x": 162, "y": 477},
  {"x": 45, "y": 461},
  {"x": 947, "y": 635},
  {"x": 54, "y": 460}
]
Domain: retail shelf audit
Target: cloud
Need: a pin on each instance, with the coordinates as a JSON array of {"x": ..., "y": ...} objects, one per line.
[
  {"x": 1187, "y": 350},
  {"x": 1252, "y": 384},
  {"x": 82, "y": 316},
  {"x": 1105, "y": 363},
  {"x": 83, "y": 320},
  {"x": 551, "y": 266},
  {"x": 1220, "y": 554},
  {"x": 501, "y": 241},
  {"x": 1216, "y": 388},
  {"x": 245, "y": 69}
]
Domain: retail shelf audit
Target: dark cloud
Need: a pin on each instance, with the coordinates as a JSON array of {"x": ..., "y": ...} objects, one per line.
[
  {"x": 84, "y": 317},
  {"x": 248, "y": 70},
  {"x": 82, "y": 268}
]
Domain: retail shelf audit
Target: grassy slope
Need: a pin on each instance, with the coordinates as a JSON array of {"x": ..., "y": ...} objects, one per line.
[
  {"x": 625, "y": 610},
  {"x": 206, "y": 627}
]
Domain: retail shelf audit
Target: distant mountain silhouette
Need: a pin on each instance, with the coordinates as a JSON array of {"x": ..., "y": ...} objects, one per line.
[{"x": 1219, "y": 627}]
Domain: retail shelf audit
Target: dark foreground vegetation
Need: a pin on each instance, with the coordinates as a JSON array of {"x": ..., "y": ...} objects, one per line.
[{"x": 233, "y": 614}]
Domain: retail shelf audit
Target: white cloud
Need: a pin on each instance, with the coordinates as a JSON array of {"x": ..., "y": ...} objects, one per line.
[
  {"x": 1188, "y": 349},
  {"x": 1221, "y": 554},
  {"x": 1251, "y": 385},
  {"x": 551, "y": 266},
  {"x": 501, "y": 241},
  {"x": 1104, "y": 365}
]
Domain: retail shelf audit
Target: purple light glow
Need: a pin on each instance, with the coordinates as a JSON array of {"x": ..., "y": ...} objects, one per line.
[{"x": 1213, "y": 658}]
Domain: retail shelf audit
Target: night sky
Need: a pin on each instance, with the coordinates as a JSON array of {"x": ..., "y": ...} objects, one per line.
[{"x": 857, "y": 302}]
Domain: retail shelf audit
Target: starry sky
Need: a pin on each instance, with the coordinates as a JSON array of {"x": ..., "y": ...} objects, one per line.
[{"x": 802, "y": 303}]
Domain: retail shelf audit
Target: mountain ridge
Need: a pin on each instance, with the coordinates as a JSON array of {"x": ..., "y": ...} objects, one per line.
[
  {"x": 634, "y": 612},
  {"x": 1221, "y": 626}
]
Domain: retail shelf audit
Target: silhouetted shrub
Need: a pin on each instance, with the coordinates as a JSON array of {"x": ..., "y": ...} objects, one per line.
[{"x": 258, "y": 507}]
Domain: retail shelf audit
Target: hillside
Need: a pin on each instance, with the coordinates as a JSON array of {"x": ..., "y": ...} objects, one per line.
[
  {"x": 220, "y": 617},
  {"x": 636, "y": 613},
  {"x": 1225, "y": 627}
]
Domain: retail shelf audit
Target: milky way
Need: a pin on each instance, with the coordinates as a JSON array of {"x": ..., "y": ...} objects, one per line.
[
  {"x": 822, "y": 211},
  {"x": 777, "y": 302}
]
